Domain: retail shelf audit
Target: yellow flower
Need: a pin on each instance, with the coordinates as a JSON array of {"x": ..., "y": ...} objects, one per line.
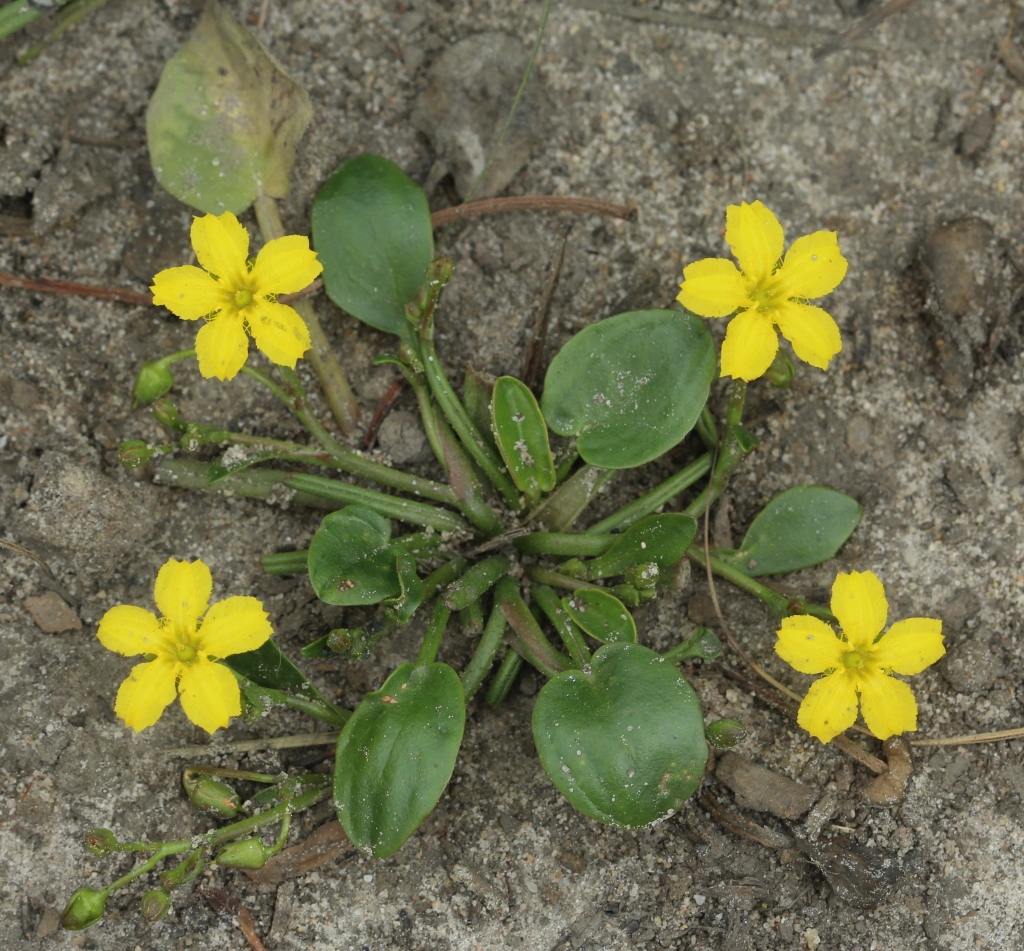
[
  {"x": 860, "y": 661},
  {"x": 236, "y": 295},
  {"x": 770, "y": 292},
  {"x": 183, "y": 647}
]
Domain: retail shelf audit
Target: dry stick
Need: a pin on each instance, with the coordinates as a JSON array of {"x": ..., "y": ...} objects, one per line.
[
  {"x": 494, "y": 206},
  {"x": 387, "y": 401},
  {"x": 794, "y": 35},
  {"x": 842, "y": 742},
  {"x": 539, "y": 332},
  {"x": 847, "y": 38},
  {"x": 122, "y": 295}
]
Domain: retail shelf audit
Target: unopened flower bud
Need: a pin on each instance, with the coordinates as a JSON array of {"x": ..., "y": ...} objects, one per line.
[
  {"x": 725, "y": 734},
  {"x": 643, "y": 576},
  {"x": 101, "y": 842},
  {"x": 439, "y": 271},
  {"x": 245, "y": 853},
  {"x": 85, "y": 908},
  {"x": 782, "y": 370},
  {"x": 134, "y": 453},
  {"x": 156, "y": 904},
  {"x": 166, "y": 414},
  {"x": 154, "y": 380},
  {"x": 205, "y": 792}
]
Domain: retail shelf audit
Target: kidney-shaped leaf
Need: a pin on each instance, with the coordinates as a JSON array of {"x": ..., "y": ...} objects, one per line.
[
  {"x": 659, "y": 539},
  {"x": 350, "y": 559},
  {"x": 522, "y": 436},
  {"x": 396, "y": 755},
  {"x": 372, "y": 232},
  {"x": 623, "y": 740},
  {"x": 803, "y": 526},
  {"x": 602, "y": 615},
  {"x": 630, "y": 387},
  {"x": 224, "y": 120}
]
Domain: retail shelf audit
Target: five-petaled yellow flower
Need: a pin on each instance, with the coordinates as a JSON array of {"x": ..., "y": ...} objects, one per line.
[
  {"x": 183, "y": 646},
  {"x": 236, "y": 295},
  {"x": 860, "y": 661},
  {"x": 769, "y": 291}
]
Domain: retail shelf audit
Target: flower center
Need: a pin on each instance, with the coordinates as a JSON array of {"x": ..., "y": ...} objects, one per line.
[
  {"x": 243, "y": 298},
  {"x": 185, "y": 654},
  {"x": 852, "y": 660}
]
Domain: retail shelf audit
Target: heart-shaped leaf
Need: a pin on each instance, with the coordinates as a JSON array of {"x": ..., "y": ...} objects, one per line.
[
  {"x": 658, "y": 539},
  {"x": 623, "y": 740},
  {"x": 396, "y": 755},
  {"x": 630, "y": 387},
  {"x": 372, "y": 232},
  {"x": 224, "y": 120},
  {"x": 350, "y": 559},
  {"x": 602, "y": 615},
  {"x": 522, "y": 437},
  {"x": 269, "y": 667},
  {"x": 803, "y": 526}
]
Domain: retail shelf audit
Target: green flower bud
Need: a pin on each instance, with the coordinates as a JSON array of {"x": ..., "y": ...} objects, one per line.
[
  {"x": 643, "y": 576},
  {"x": 205, "y": 792},
  {"x": 101, "y": 842},
  {"x": 154, "y": 380},
  {"x": 134, "y": 453},
  {"x": 166, "y": 414},
  {"x": 184, "y": 871},
  {"x": 156, "y": 904},
  {"x": 439, "y": 271},
  {"x": 245, "y": 853},
  {"x": 724, "y": 734},
  {"x": 782, "y": 370},
  {"x": 339, "y": 640},
  {"x": 84, "y": 909}
]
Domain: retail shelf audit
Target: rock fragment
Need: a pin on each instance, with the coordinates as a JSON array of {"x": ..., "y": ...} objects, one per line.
[
  {"x": 52, "y": 614},
  {"x": 758, "y": 788}
]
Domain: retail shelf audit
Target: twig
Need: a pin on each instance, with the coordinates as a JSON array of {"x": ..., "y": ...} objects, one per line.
[
  {"x": 849, "y": 36},
  {"x": 254, "y": 746},
  {"x": 230, "y": 907},
  {"x": 741, "y": 825},
  {"x": 967, "y": 740},
  {"x": 694, "y": 21},
  {"x": 387, "y": 401},
  {"x": 261, "y": 20},
  {"x": 122, "y": 295},
  {"x": 539, "y": 332},
  {"x": 495, "y": 206}
]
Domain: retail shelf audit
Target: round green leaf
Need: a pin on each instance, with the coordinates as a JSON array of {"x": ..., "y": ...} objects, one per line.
[
  {"x": 396, "y": 755},
  {"x": 602, "y": 615},
  {"x": 522, "y": 437},
  {"x": 658, "y": 539},
  {"x": 803, "y": 526},
  {"x": 224, "y": 120},
  {"x": 372, "y": 232},
  {"x": 350, "y": 560},
  {"x": 622, "y": 739},
  {"x": 630, "y": 387}
]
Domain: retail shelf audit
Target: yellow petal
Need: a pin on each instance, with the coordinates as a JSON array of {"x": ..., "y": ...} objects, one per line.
[
  {"x": 146, "y": 692},
  {"x": 809, "y": 645},
  {"x": 712, "y": 288},
  {"x": 888, "y": 705},
  {"x": 756, "y": 239},
  {"x": 829, "y": 707},
  {"x": 284, "y": 266},
  {"x": 233, "y": 626},
  {"x": 222, "y": 245},
  {"x": 278, "y": 331},
  {"x": 222, "y": 346},
  {"x": 909, "y": 646},
  {"x": 750, "y": 346},
  {"x": 182, "y": 592},
  {"x": 858, "y": 602},
  {"x": 209, "y": 694},
  {"x": 129, "y": 631},
  {"x": 812, "y": 331},
  {"x": 188, "y": 292},
  {"x": 814, "y": 266}
]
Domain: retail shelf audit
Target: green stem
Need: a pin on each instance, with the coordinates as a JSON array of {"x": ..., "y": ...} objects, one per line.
[
  {"x": 567, "y": 630},
  {"x": 390, "y": 506},
  {"x": 730, "y": 454},
  {"x": 707, "y": 428},
  {"x": 654, "y": 499},
  {"x": 314, "y": 708},
  {"x": 67, "y": 18},
  {"x": 503, "y": 680},
  {"x": 567, "y": 545},
  {"x": 532, "y": 641},
  {"x": 490, "y": 641},
  {"x": 556, "y": 580},
  {"x": 435, "y": 631},
  {"x": 476, "y": 582},
  {"x": 478, "y": 448},
  {"x": 325, "y": 364}
]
